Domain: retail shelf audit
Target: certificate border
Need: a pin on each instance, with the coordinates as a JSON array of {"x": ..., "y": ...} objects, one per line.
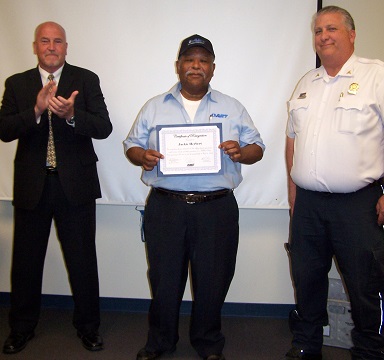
[{"x": 218, "y": 125}]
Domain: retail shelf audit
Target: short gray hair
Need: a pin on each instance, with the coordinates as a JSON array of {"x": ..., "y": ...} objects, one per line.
[{"x": 348, "y": 20}]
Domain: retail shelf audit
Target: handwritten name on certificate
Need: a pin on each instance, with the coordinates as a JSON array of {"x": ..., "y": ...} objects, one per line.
[{"x": 189, "y": 149}]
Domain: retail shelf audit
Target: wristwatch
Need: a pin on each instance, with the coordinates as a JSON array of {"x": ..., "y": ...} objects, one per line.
[{"x": 71, "y": 120}]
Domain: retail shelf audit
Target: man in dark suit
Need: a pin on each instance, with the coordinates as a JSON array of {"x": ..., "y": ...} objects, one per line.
[{"x": 63, "y": 105}]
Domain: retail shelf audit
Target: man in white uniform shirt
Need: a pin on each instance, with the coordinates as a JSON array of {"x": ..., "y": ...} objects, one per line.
[{"x": 335, "y": 159}]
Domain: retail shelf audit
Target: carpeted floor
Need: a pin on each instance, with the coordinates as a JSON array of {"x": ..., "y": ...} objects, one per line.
[{"x": 125, "y": 333}]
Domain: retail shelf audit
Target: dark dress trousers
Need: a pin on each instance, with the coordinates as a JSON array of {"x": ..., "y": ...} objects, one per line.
[{"x": 68, "y": 196}]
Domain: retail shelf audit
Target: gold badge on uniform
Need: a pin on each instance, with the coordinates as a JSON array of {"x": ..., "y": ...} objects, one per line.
[{"x": 353, "y": 88}]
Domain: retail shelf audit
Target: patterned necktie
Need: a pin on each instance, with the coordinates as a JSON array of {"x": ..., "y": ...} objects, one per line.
[{"x": 51, "y": 154}]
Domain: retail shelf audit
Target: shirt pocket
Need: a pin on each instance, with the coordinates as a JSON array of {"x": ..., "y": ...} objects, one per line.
[
  {"x": 298, "y": 112},
  {"x": 347, "y": 113}
]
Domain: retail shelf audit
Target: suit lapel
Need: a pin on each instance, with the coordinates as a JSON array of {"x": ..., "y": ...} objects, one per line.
[
  {"x": 66, "y": 81},
  {"x": 35, "y": 80}
]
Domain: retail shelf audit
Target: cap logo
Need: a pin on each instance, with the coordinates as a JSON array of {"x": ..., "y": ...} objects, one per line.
[{"x": 196, "y": 41}]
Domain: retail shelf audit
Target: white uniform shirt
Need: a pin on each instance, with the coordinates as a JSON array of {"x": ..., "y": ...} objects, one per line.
[{"x": 338, "y": 127}]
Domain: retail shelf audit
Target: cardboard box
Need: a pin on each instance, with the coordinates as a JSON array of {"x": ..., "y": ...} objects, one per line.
[
  {"x": 336, "y": 290},
  {"x": 338, "y": 332}
]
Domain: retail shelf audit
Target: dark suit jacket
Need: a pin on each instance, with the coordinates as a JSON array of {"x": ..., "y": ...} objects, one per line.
[{"x": 75, "y": 155}]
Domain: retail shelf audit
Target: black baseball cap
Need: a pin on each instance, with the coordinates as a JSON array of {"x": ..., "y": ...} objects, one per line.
[{"x": 193, "y": 41}]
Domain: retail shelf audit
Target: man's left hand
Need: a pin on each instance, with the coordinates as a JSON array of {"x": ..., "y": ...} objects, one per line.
[
  {"x": 232, "y": 149},
  {"x": 380, "y": 211},
  {"x": 63, "y": 108}
]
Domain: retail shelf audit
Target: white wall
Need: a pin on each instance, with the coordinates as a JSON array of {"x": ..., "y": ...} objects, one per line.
[{"x": 262, "y": 274}]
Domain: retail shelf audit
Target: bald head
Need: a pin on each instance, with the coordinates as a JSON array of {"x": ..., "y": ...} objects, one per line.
[
  {"x": 50, "y": 46},
  {"x": 49, "y": 23}
]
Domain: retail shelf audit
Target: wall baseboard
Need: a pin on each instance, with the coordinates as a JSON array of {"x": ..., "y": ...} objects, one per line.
[{"x": 142, "y": 305}]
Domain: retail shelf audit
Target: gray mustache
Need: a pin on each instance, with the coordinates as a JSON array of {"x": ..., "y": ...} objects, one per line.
[{"x": 195, "y": 72}]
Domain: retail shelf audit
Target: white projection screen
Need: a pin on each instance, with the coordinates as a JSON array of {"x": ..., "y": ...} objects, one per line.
[{"x": 262, "y": 49}]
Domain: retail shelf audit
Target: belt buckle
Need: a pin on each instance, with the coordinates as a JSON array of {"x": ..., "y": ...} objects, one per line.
[{"x": 189, "y": 199}]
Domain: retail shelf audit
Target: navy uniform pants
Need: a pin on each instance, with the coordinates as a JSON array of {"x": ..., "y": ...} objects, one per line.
[
  {"x": 204, "y": 236},
  {"x": 345, "y": 226}
]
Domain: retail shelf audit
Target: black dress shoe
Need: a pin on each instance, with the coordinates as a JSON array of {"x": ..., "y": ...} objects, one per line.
[
  {"x": 147, "y": 355},
  {"x": 215, "y": 357},
  {"x": 16, "y": 342},
  {"x": 144, "y": 354},
  {"x": 92, "y": 341},
  {"x": 295, "y": 354}
]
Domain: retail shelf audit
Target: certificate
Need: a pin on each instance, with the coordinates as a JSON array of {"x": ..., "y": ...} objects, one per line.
[{"x": 189, "y": 149}]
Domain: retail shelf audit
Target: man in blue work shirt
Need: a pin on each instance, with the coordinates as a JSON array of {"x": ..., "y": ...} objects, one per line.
[{"x": 206, "y": 232}]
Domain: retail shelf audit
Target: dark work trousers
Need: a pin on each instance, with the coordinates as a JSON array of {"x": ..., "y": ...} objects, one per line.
[
  {"x": 206, "y": 236},
  {"x": 76, "y": 232},
  {"x": 344, "y": 225}
]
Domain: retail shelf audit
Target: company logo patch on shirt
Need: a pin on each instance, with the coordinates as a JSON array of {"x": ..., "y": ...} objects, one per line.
[
  {"x": 221, "y": 116},
  {"x": 302, "y": 96}
]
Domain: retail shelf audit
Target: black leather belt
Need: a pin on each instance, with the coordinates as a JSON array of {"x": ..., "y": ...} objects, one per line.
[
  {"x": 379, "y": 182},
  {"x": 193, "y": 197},
  {"x": 51, "y": 171}
]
